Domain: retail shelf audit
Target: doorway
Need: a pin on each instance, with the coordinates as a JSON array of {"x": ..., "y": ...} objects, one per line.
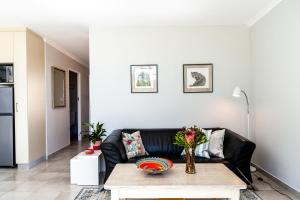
[{"x": 73, "y": 98}]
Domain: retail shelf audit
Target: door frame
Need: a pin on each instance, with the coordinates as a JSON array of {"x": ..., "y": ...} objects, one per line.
[{"x": 78, "y": 102}]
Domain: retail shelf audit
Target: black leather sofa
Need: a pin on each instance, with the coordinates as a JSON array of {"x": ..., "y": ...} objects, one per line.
[{"x": 159, "y": 143}]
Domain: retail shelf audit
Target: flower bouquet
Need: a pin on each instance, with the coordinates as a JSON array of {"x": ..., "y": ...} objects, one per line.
[{"x": 189, "y": 138}]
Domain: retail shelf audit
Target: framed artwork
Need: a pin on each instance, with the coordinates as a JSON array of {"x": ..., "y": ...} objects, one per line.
[
  {"x": 59, "y": 87},
  {"x": 144, "y": 78},
  {"x": 197, "y": 78}
]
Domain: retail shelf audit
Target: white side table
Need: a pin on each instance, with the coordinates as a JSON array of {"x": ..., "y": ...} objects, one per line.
[{"x": 85, "y": 168}]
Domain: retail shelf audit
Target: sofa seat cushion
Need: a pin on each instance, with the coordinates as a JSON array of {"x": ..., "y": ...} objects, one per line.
[
  {"x": 179, "y": 158},
  {"x": 212, "y": 159},
  {"x": 174, "y": 158}
]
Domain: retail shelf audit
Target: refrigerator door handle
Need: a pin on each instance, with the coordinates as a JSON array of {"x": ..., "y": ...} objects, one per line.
[{"x": 17, "y": 107}]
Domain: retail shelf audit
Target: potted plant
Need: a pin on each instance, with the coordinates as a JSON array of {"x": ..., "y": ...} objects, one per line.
[
  {"x": 189, "y": 138},
  {"x": 95, "y": 134}
]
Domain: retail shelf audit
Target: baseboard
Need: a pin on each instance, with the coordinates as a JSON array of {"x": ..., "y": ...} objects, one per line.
[
  {"x": 56, "y": 152},
  {"x": 278, "y": 181},
  {"x": 32, "y": 163}
]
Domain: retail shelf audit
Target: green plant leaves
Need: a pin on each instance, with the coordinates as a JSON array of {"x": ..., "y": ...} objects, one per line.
[{"x": 96, "y": 131}]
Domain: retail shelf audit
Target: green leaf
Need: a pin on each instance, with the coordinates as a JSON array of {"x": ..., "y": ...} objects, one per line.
[{"x": 96, "y": 131}]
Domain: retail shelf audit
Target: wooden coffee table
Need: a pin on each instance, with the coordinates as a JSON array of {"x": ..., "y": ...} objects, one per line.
[{"x": 210, "y": 181}]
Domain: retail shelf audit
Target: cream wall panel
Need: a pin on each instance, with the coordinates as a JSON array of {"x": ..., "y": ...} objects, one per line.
[
  {"x": 6, "y": 47},
  {"x": 36, "y": 96},
  {"x": 21, "y": 120}
]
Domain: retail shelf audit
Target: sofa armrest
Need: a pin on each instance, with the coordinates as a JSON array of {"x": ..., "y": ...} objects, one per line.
[
  {"x": 113, "y": 151},
  {"x": 238, "y": 151}
]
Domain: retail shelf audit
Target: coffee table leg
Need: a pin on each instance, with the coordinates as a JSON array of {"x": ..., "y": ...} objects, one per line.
[
  {"x": 114, "y": 194},
  {"x": 235, "y": 195}
]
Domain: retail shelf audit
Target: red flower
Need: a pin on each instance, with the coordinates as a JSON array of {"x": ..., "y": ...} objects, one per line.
[
  {"x": 190, "y": 136},
  {"x": 183, "y": 129},
  {"x": 129, "y": 142}
]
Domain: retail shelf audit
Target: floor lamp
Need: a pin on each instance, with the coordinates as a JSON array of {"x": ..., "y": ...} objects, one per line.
[{"x": 237, "y": 92}]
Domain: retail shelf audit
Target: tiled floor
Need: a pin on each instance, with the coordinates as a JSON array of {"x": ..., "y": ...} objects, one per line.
[
  {"x": 266, "y": 189},
  {"x": 50, "y": 180}
]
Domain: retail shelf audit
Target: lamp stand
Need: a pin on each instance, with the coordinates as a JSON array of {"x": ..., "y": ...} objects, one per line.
[{"x": 252, "y": 168}]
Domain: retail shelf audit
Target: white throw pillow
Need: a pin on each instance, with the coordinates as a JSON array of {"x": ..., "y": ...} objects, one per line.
[
  {"x": 216, "y": 140},
  {"x": 202, "y": 149}
]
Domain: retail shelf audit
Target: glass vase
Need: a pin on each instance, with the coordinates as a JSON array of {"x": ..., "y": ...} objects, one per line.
[{"x": 190, "y": 161}]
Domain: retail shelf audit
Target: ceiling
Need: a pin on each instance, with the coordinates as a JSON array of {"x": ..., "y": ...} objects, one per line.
[{"x": 65, "y": 22}]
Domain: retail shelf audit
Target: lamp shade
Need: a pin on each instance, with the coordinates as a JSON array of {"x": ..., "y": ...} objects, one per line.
[{"x": 237, "y": 92}]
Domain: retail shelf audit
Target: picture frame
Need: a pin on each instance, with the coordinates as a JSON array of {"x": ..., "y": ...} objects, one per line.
[
  {"x": 58, "y": 87},
  {"x": 198, "y": 78},
  {"x": 144, "y": 78}
]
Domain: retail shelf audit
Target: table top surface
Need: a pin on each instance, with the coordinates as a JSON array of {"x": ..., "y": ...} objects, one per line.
[
  {"x": 207, "y": 175},
  {"x": 82, "y": 154}
]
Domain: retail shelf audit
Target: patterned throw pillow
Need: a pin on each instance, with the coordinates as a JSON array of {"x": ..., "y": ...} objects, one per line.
[
  {"x": 202, "y": 149},
  {"x": 133, "y": 145},
  {"x": 216, "y": 143}
]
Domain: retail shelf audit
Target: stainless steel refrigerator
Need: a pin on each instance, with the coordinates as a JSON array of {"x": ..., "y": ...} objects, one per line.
[{"x": 7, "y": 136}]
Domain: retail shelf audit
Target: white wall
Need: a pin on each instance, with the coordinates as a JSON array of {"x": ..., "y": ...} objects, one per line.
[
  {"x": 58, "y": 120},
  {"x": 276, "y": 69},
  {"x": 113, "y": 50}
]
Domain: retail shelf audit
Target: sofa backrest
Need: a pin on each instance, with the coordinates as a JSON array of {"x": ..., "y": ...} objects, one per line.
[
  {"x": 158, "y": 141},
  {"x": 161, "y": 141}
]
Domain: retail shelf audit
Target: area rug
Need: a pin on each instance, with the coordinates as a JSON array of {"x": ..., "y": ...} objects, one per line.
[
  {"x": 100, "y": 194},
  {"x": 90, "y": 193},
  {"x": 249, "y": 195}
]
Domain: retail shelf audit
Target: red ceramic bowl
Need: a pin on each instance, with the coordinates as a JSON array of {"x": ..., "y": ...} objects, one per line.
[
  {"x": 154, "y": 165},
  {"x": 89, "y": 151}
]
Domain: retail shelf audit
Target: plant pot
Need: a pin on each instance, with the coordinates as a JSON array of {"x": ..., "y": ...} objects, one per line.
[
  {"x": 96, "y": 145},
  {"x": 190, "y": 161}
]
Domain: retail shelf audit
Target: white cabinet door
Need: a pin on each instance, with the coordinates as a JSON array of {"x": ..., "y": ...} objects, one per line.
[
  {"x": 21, "y": 113},
  {"x": 6, "y": 47}
]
